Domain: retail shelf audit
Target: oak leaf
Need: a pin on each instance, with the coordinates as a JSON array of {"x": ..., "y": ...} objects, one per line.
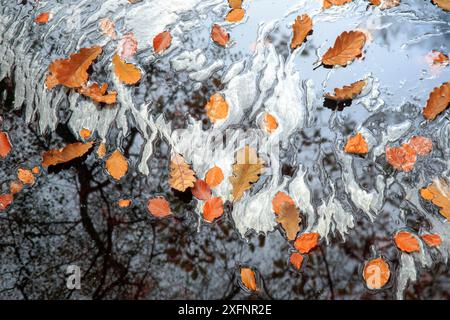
[
  {"x": 117, "y": 165},
  {"x": 421, "y": 145},
  {"x": 5, "y": 145},
  {"x": 306, "y": 242},
  {"x": 443, "y": 4},
  {"x": 376, "y": 273},
  {"x": 217, "y": 108},
  {"x": 26, "y": 176},
  {"x": 57, "y": 156},
  {"x": 357, "y": 145},
  {"x": 98, "y": 94},
  {"x": 162, "y": 41},
  {"x": 347, "y": 47},
  {"x": 235, "y": 15},
  {"x": 126, "y": 72},
  {"x": 5, "y": 201},
  {"x": 248, "y": 279},
  {"x": 329, "y": 3},
  {"x": 201, "y": 190},
  {"x": 279, "y": 200},
  {"x": 406, "y": 242},
  {"x": 214, "y": 177},
  {"x": 432, "y": 240},
  {"x": 347, "y": 92},
  {"x": 270, "y": 123},
  {"x": 159, "y": 207},
  {"x": 296, "y": 259},
  {"x": 401, "y": 158},
  {"x": 301, "y": 28},
  {"x": 438, "y": 101},
  {"x": 213, "y": 209},
  {"x": 219, "y": 35},
  {"x": 181, "y": 175},
  {"x": 290, "y": 219},
  {"x": 438, "y": 192}
]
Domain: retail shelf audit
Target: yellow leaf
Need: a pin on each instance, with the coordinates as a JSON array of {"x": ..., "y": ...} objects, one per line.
[{"x": 126, "y": 72}]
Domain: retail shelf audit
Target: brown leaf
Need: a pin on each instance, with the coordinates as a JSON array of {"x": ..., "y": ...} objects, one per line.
[
  {"x": 159, "y": 207},
  {"x": 357, "y": 145},
  {"x": 214, "y": 177},
  {"x": 401, "y": 158},
  {"x": 181, "y": 175},
  {"x": 248, "y": 278},
  {"x": 437, "y": 102},
  {"x": 438, "y": 193},
  {"x": 301, "y": 28},
  {"x": 54, "y": 157},
  {"x": 126, "y": 72},
  {"x": 289, "y": 218},
  {"x": 376, "y": 273},
  {"x": 5, "y": 145},
  {"x": 306, "y": 242},
  {"x": 219, "y": 35},
  {"x": 421, "y": 145},
  {"x": 296, "y": 259},
  {"x": 98, "y": 94},
  {"x": 42, "y": 18},
  {"x": 329, "y": 3},
  {"x": 279, "y": 200},
  {"x": 235, "y": 4},
  {"x": 5, "y": 201},
  {"x": 25, "y": 176},
  {"x": 246, "y": 171},
  {"x": 213, "y": 209},
  {"x": 162, "y": 41},
  {"x": 347, "y": 92},
  {"x": 443, "y": 4},
  {"x": 347, "y": 47},
  {"x": 117, "y": 165},
  {"x": 217, "y": 108},
  {"x": 235, "y": 15},
  {"x": 437, "y": 58},
  {"x": 101, "y": 150},
  {"x": 201, "y": 190},
  {"x": 432, "y": 240},
  {"x": 406, "y": 242},
  {"x": 72, "y": 72}
]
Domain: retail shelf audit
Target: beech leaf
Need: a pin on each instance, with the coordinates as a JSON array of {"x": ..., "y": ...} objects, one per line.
[
  {"x": 217, "y": 108},
  {"x": 219, "y": 35},
  {"x": 213, "y": 209},
  {"x": 127, "y": 46},
  {"x": 75, "y": 150},
  {"x": 159, "y": 207},
  {"x": 376, "y": 273},
  {"x": 248, "y": 279},
  {"x": 214, "y": 177},
  {"x": 432, "y": 240},
  {"x": 235, "y": 15},
  {"x": 306, "y": 242},
  {"x": 126, "y": 72},
  {"x": 296, "y": 259},
  {"x": 329, "y": 3},
  {"x": 117, "y": 165},
  {"x": 443, "y": 4},
  {"x": 406, "y": 242},
  {"x": 438, "y": 101},
  {"x": 438, "y": 192},
  {"x": 201, "y": 190},
  {"x": 347, "y": 47},
  {"x": 162, "y": 41},
  {"x": 301, "y": 28},
  {"x": 347, "y": 92},
  {"x": 421, "y": 145}
]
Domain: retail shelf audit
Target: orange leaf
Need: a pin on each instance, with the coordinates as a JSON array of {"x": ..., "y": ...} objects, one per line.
[
  {"x": 296, "y": 259},
  {"x": 375, "y": 2},
  {"x": 347, "y": 47},
  {"x": 5, "y": 145},
  {"x": 181, "y": 175},
  {"x": 217, "y": 108},
  {"x": 214, "y": 177},
  {"x": 127, "y": 46},
  {"x": 72, "y": 72},
  {"x": 280, "y": 199},
  {"x": 25, "y": 176},
  {"x": 270, "y": 123},
  {"x": 220, "y": 35},
  {"x": 235, "y": 4},
  {"x": 54, "y": 157},
  {"x": 406, "y": 242},
  {"x": 201, "y": 190},
  {"x": 443, "y": 4},
  {"x": 432, "y": 240},
  {"x": 213, "y": 209},
  {"x": 126, "y": 72},
  {"x": 15, "y": 187},
  {"x": 401, "y": 158},
  {"x": 347, "y": 92},
  {"x": 439, "y": 193},
  {"x": 85, "y": 133},
  {"x": 117, "y": 165},
  {"x": 290, "y": 219},
  {"x": 98, "y": 94},
  {"x": 123, "y": 203},
  {"x": 101, "y": 150},
  {"x": 376, "y": 273},
  {"x": 248, "y": 278},
  {"x": 438, "y": 101},
  {"x": 42, "y": 18},
  {"x": 357, "y": 145},
  {"x": 159, "y": 207},
  {"x": 5, "y": 201},
  {"x": 36, "y": 170},
  {"x": 306, "y": 242},
  {"x": 301, "y": 28},
  {"x": 438, "y": 58},
  {"x": 162, "y": 41},
  {"x": 421, "y": 145},
  {"x": 235, "y": 15},
  {"x": 329, "y": 3}
]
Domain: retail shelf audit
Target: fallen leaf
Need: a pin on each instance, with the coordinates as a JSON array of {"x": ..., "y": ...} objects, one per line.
[
  {"x": 406, "y": 242},
  {"x": 201, "y": 190},
  {"x": 181, "y": 175},
  {"x": 162, "y": 41},
  {"x": 127, "y": 46},
  {"x": 248, "y": 279},
  {"x": 401, "y": 158},
  {"x": 219, "y": 35},
  {"x": 376, "y": 273},
  {"x": 101, "y": 150},
  {"x": 124, "y": 203},
  {"x": 107, "y": 27},
  {"x": 296, "y": 259},
  {"x": 117, "y": 165},
  {"x": 438, "y": 192},
  {"x": 357, "y": 145},
  {"x": 421, "y": 145},
  {"x": 214, "y": 177},
  {"x": 235, "y": 15},
  {"x": 279, "y": 200},
  {"x": 375, "y": 2},
  {"x": 235, "y": 4},
  {"x": 432, "y": 240},
  {"x": 306, "y": 242},
  {"x": 126, "y": 72},
  {"x": 98, "y": 94},
  {"x": 26, "y": 176},
  {"x": 329, "y": 3},
  {"x": 437, "y": 58},
  {"x": 213, "y": 209},
  {"x": 347, "y": 92},
  {"x": 443, "y": 4},
  {"x": 270, "y": 123},
  {"x": 72, "y": 72},
  {"x": 54, "y": 157},
  {"x": 5, "y": 145},
  {"x": 36, "y": 170},
  {"x": 5, "y": 201},
  {"x": 301, "y": 28},
  {"x": 246, "y": 171},
  {"x": 42, "y": 18},
  {"x": 15, "y": 187},
  {"x": 438, "y": 101},
  {"x": 159, "y": 207},
  {"x": 85, "y": 133},
  {"x": 216, "y": 108},
  {"x": 347, "y": 47},
  {"x": 289, "y": 218}
]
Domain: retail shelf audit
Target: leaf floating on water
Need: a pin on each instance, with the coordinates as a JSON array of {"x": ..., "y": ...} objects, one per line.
[
  {"x": 246, "y": 171},
  {"x": 306, "y": 242},
  {"x": 181, "y": 175},
  {"x": 296, "y": 259},
  {"x": 213, "y": 209},
  {"x": 42, "y": 18},
  {"x": 5, "y": 201},
  {"x": 15, "y": 187},
  {"x": 347, "y": 47},
  {"x": 85, "y": 133},
  {"x": 162, "y": 41},
  {"x": 214, "y": 177},
  {"x": 270, "y": 123},
  {"x": 438, "y": 193},
  {"x": 438, "y": 101},
  {"x": 401, "y": 158},
  {"x": 75, "y": 150},
  {"x": 26, "y": 176},
  {"x": 437, "y": 58},
  {"x": 289, "y": 218},
  {"x": 98, "y": 94},
  {"x": 432, "y": 240},
  {"x": 376, "y": 273},
  {"x": 235, "y": 4},
  {"x": 36, "y": 170},
  {"x": 301, "y": 28},
  {"x": 279, "y": 200},
  {"x": 127, "y": 46},
  {"x": 329, "y": 3},
  {"x": 72, "y": 72},
  {"x": 101, "y": 150},
  {"x": 375, "y": 2},
  {"x": 124, "y": 203},
  {"x": 357, "y": 145},
  {"x": 219, "y": 35},
  {"x": 443, "y": 4},
  {"x": 217, "y": 108},
  {"x": 248, "y": 279},
  {"x": 126, "y": 72},
  {"x": 5, "y": 145},
  {"x": 159, "y": 207},
  {"x": 117, "y": 165},
  {"x": 347, "y": 92},
  {"x": 406, "y": 242},
  {"x": 421, "y": 145},
  {"x": 201, "y": 190}
]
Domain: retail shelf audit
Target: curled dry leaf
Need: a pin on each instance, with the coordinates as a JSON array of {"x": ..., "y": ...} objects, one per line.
[
  {"x": 201, "y": 190},
  {"x": 124, "y": 203},
  {"x": 301, "y": 28},
  {"x": 15, "y": 187},
  {"x": 72, "y": 72},
  {"x": 406, "y": 242},
  {"x": 421, "y": 145},
  {"x": 5, "y": 145},
  {"x": 376, "y": 273},
  {"x": 401, "y": 158},
  {"x": 42, "y": 18},
  {"x": 443, "y": 4},
  {"x": 181, "y": 175},
  {"x": 159, "y": 207},
  {"x": 162, "y": 41},
  {"x": 213, "y": 209},
  {"x": 289, "y": 218},
  {"x": 357, "y": 145},
  {"x": 270, "y": 123},
  {"x": 438, "y": 101},
  {"x": 5, "y": 201},
  {"x": 26, "y": 176},
  {"x": 246, "y": 171},
  {"x": 98, "y": 94},
  {"x": 85, "y": 133},
  {"x": 306, "y": 242},
  {"x": 101, "y": 150},
  {"x": 438, "y": 192},
  {"x": 75, "y": 150},
  {"x": 235, "y": 4},
  {"x": 107, "y": 27},
  {"x": 329, "y": 3},
  {"x": 347, "y": 47},
  {"x": 235, "y": 15},
  {"x": 117, "y": 165},
  {"x": 432, "y": 240},
  {"x": 126, "y": 72},
  {"x": 219, "y": 35},
  {"x": 214, "y": 177},
  {"x": 347, "y": 92},
  {"x": 217, "y": 108},
  {"x": 248, "y": 279},
  {"x": 279, "y": 200},
  {"x": 127, "y": 46},
  {"x": 296, "y": 259}
]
